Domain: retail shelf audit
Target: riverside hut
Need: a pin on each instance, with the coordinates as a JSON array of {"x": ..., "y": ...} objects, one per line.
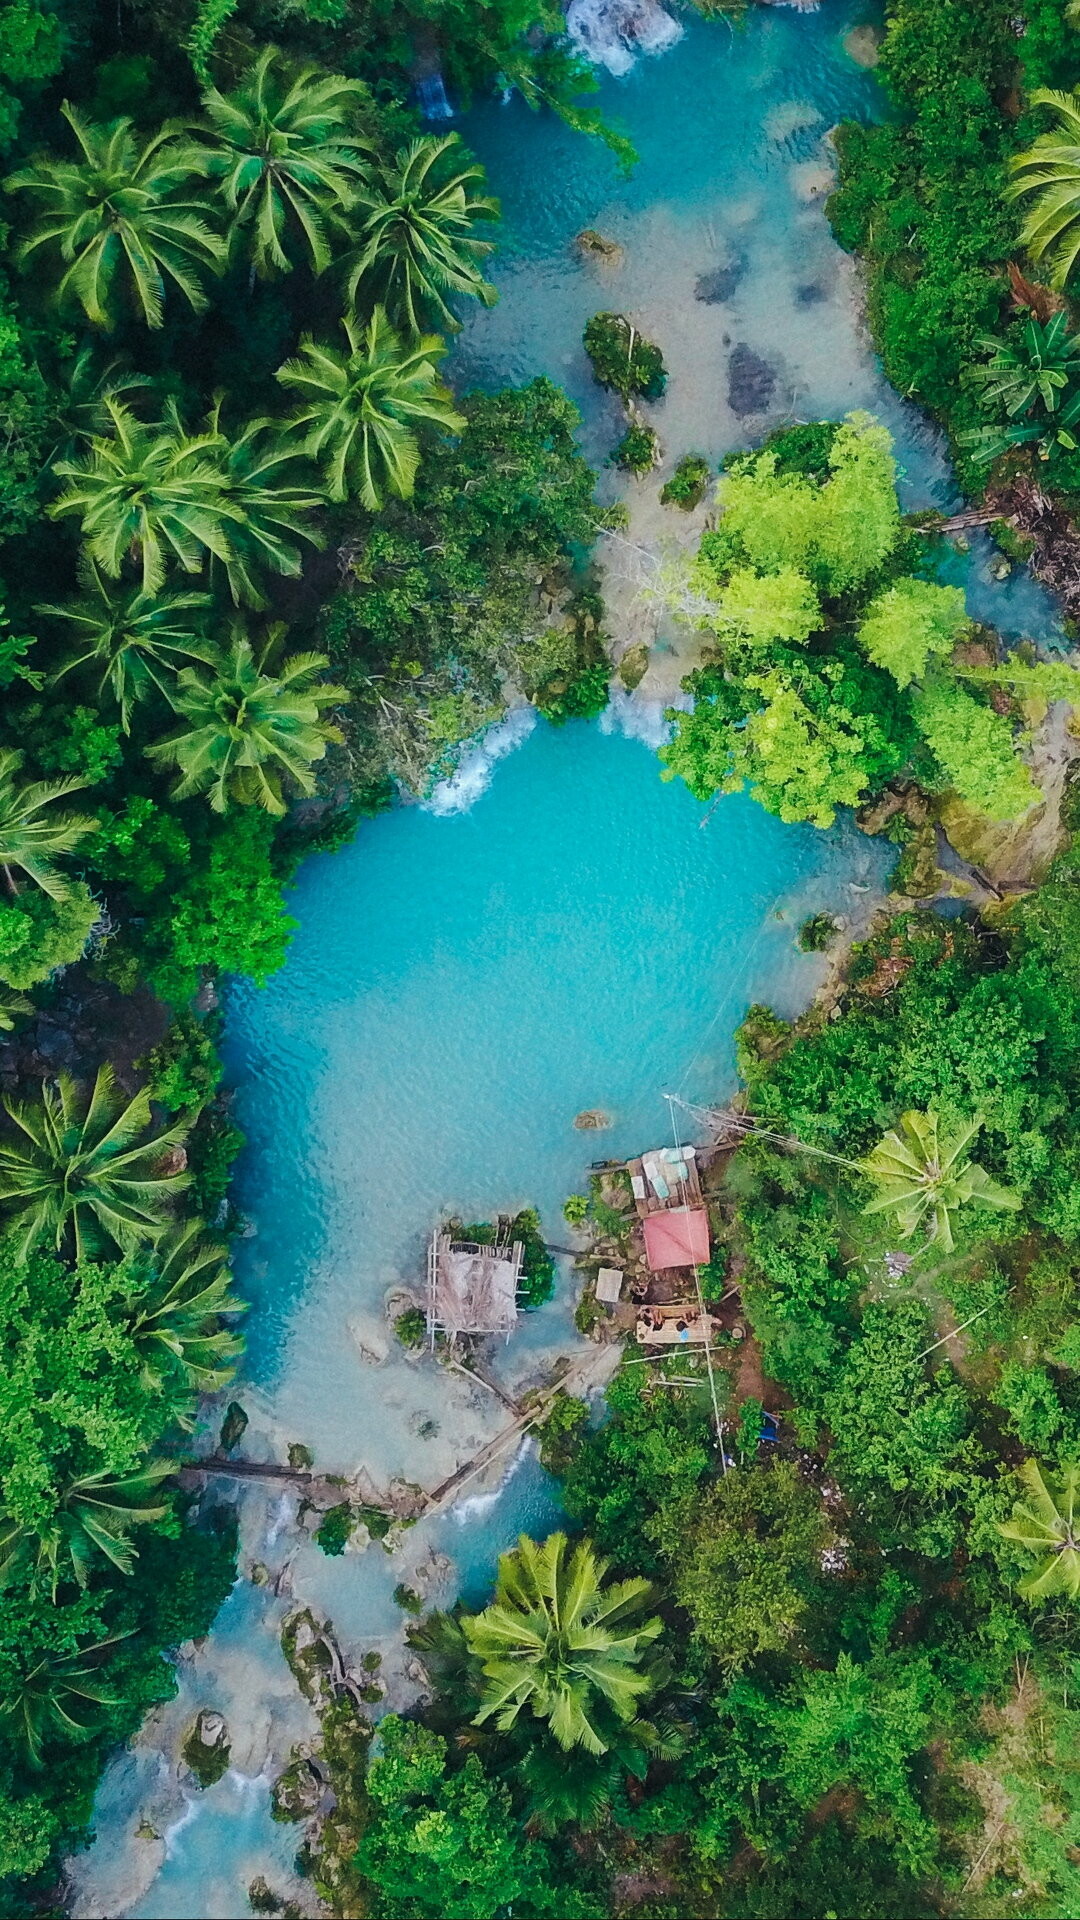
[{"x": 472, "y": 1288}]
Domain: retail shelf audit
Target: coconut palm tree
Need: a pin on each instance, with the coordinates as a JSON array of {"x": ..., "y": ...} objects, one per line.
[
  {"x": 55, "y": 1697},
  {"x": 94, "y": 1513},
  {"x": 80, "y": 1173},
  {"x": 286, "y": 153},
  {"x": 244, "y": 729},
  {"x": 174, "y": 1319},
  {"x": 153, "y": 493},
  {"x": 113, "y": 219},
  {"x": 136, "y": 639},
  {"x": 416, "y": 244},
  {"x": 1049, "y": 171},
  {"x": 560, "y": 1644},
  {"x": 269, "y": 510},
  {"x": 30, "y": 840},
  {"x": 360, "y": 408},
  {"x": 1048, "y": 1526},
  {"x": 924, "y": 1176}
]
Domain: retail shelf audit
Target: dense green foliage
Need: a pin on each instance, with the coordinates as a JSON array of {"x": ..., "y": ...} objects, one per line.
[
  {"x": 229, "y": 243},
  {"x": 827, "y": 674}
]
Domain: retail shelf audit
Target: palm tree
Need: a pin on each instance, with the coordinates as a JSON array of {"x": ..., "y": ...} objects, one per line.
[
  {"x": 81, "y": 1171},
  {"x": 287, "y": 154},
  {"x": 29, "y": 841},
  {"x": 1032, "y": 371},
  {"x": 268, "y": 511},
  {"x": 174, "y": 1316},
  {"x": 96, "y": 1511},
  {"x": 1050, "y": 171},
  {"x": 149, "y": 493},
  {"x": 555, "y": 1641},
  {"x": 244, "y": 729},
  {"x": 416, "y": 242},
  {"x": 136, "y": 638},
  {"x": 360, "y": 408},
  {"x": 1048, "y": 1526},
  {"x": 113, "y": 218},
  {"x": 52, "y": 1697},
  {"x": 925, "y": 1177}
]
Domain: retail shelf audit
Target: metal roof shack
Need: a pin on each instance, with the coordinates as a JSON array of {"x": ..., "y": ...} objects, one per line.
[
  {"x": 472, "y": 1288},
  {"x": 677, "y": 1238}
]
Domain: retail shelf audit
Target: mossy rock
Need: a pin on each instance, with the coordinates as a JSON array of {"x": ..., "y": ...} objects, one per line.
[
  {"x": 634, "y": 665},
  {"x": 997, "y": 846},
  {"x": 296, "y": 1793},
  {"x": 917, "y": 872},
  {"x": 206, "y": 1747},
  {"x": 233, "y": 1427}
]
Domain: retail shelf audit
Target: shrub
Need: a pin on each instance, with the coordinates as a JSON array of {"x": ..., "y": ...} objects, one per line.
[
  {"x": 638, "y": 449},
  {"x": 688, "y": 483},
  {"x": 623, "y": 359}
]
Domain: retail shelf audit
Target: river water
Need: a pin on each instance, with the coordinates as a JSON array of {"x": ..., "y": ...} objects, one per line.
[{"x": 558, "y": 930}]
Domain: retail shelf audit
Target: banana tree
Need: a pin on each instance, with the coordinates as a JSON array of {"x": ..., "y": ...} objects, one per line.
[
  {"x": 1047, "y": 1525},
  {"x": 924, "y": 1176}
]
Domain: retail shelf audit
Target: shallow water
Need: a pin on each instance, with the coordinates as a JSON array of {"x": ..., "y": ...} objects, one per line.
[{"x": 558, "y": 930}]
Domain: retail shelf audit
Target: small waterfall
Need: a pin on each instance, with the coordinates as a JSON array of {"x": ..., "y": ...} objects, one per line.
[
  {"x": 611, "y": 33},
  {"x": 473, "y": 775}
]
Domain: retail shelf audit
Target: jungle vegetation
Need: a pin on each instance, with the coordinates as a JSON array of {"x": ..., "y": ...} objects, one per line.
[{"x": 231, "y": 258}]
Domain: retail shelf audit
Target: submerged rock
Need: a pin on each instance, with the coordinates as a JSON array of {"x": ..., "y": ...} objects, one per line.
[
  {"x": 809, "y": 294},
  {"x": 863, "y": 45},
  {"x": 718, "y": 285},
  {"x": 595, "y": 246},
  {"x": 751, "y": 381},
  {"x": 592, "y": 1120}
]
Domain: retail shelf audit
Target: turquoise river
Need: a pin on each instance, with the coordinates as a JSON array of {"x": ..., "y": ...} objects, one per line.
[{"x": 558, "y": 929}]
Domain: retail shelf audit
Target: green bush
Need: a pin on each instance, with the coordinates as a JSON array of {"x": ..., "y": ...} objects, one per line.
[
  {"x": 623, "y": 359},
  {"x": 688, "y": 484}
]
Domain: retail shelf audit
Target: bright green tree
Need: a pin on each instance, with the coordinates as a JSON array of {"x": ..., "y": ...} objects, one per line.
[
  {"x": 360, "y": 409},
  {"x": 974, "y": 747},
  {"x": 1047, "y": 1526},
  {"x": 115, "y": 222},
  {"x": 1049, "y": 171},
  {"x": 561, "y": 1645},
  {"x": 911, "y": 624},
  {"x": 136, "y": 640},
  {"x": 837, "y": 531},
  {"x": 76, "y": 1170},
  {"x": 286, "y": 154},
  {"x": 31, "y": 838},
  {"x": 924, "y": 1176},
  {"x": 760, "y": 610},
  {"x": 416, "y": 242},
  {"x": 242, "y": 729}
]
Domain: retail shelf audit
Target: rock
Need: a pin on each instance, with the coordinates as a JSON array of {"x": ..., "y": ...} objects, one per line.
[
  {"x": 751, "y": 381},
  {"x": 296, "y": 1793},
  {"x": 233, "y": 1427},
  {"x": 369, "y": 1339},
  {"x": 863, "y": 45},
  {"x": 718, "y": 285},
  {"x": 300, "y": 1457},
  {"x": 173, "y": 1161},
  {"x": 1000, "y": 568},
  {"x": 259, "y": 1575},
  {"x": 144, "y": 1831},
  {"x": 592, "y": 1120},
  {"x": 206, "y": 999},
  {"x": 205, "y": 1750},
  {"x": 633, "y": 666},
  {"x": 595, "y": 246}
]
